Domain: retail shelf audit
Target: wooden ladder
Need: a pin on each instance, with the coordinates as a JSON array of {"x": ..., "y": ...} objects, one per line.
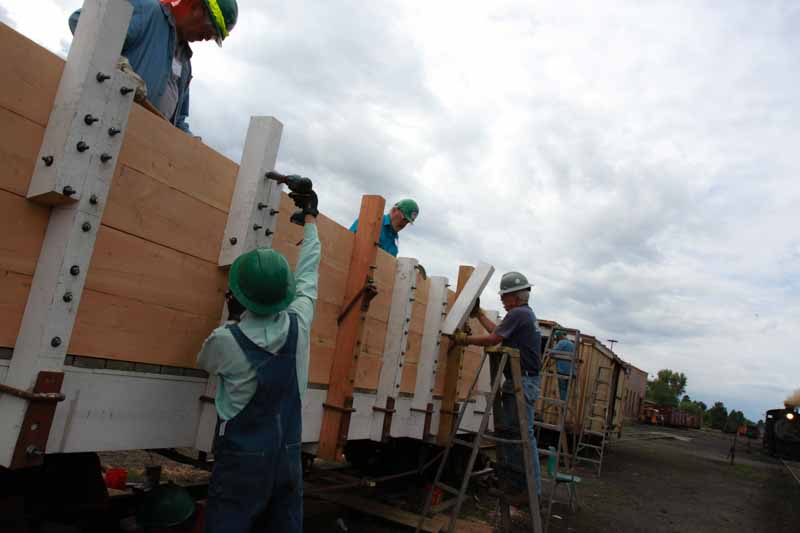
[
  {"x": 599, "y": 400},
  {"x": 499, "y": 359}
]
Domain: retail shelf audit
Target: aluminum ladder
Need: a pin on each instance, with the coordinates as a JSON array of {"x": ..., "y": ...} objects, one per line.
[
  {"x": 598, "y": 401},
  {"x": 555, "y": 403},
  {"x": 499, "y": 358}
]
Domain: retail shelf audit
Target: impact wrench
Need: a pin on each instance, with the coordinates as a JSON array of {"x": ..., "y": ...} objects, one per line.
[{"x": 298, "y": 185}]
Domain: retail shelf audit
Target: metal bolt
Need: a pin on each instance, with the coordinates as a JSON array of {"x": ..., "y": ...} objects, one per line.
[
  {"x": 411, "y": 299},
  {"x": 113, "y": 131},
  {"x": 257, "y": 227},
  {"x": 102, "y": 77},
  {"x": 273, "y": 212},
  {"x": 55, "y": 342},
  {"x": 268, "y": 232},
  {"x": 87, "y": 226},
  {"x": 93, "y": 199},
  {"x": 261, "y": 205},
  {"x": 48, "y": 160},
  {"x": 67, "y": 297},
  {"x": 67, "y": 191},
  {"x": 105, "y": 158},
  {"x": 33, "y": 450},
  {"x": 125, "y": 90},
  {"x": 82, "y": 146},
  {"x": 89, "y": 119},
  {"x": 233, "y": 240},
  {"x": 74, "y": 270}
]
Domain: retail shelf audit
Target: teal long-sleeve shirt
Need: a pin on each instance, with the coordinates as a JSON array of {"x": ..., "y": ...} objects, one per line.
[{"x": 222, "y": 356}]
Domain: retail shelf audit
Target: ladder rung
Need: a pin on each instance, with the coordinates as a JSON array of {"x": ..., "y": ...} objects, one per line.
[
  {"x": 548, "y": 453},
  {"x": 586, "y": 459},
  {"x": 554, "y": 401},
  {"x": 595, "y": 433},
  {"x": 602, "y": 382},
  {"x": 463, "y": 442},
  {"x": 555, "y": 375},
  {"x": 582, "y": 445},
  {"x": 547, "y": 426},
  {"x": 601, "y": 418},
  {"x": 448, "y": 488},
  {"x": 562, "y": 356},
  {"x": 493, "y": 438},
  {"x": 443, "y": 506},
  {"x": 483, "y": 472}
]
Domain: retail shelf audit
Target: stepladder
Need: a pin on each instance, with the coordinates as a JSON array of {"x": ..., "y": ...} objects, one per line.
[
  {"x": 509, "y": 413},
  {"x": 559, "y": 368},
  {"x": 590, "y": 448}
]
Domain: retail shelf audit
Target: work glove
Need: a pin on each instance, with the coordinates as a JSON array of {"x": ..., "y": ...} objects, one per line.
[
  {"x": 459, "y": 338},
  {"x": 307, "y": 202},
  {"x": 476, "y": 309}
]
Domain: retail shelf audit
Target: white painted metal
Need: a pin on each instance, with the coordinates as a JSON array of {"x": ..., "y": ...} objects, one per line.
[
  {"x": 95, "y": 49},
  {"x": 256, "y": 199},
  {"x": 47, "y": 323},
  {"x": 113, "y": 410},
  {"x": 466, "y": 299},
  {"x": 251, "y": 222},
  {"x": 394, "y": 350},
  {"x": 428, "y": 361}
]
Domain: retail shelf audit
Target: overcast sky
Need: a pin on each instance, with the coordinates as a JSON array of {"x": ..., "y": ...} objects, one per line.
[{"x": 637, "y": 161}]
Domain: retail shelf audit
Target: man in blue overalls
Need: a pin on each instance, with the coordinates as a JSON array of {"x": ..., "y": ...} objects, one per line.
[{"x": 262, "y": 364}]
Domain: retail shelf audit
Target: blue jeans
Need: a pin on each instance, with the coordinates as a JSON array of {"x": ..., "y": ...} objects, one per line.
[{"x": 532, "y": 389}]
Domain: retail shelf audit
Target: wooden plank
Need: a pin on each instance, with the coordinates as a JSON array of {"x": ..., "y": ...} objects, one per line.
[
  {"x": 30, "y": 77},
  {"x": 387, "y": 512},
  {"x": 14, "y": 289},
  {"x": 58, "y": 281},
  {"x": 459, "y": 313},
  {"x": 454, "y": 354},
  {"x": 24, "y": 225},
  {"x": 394, "y": 350},
  {"x": 340, "y": 388},
  {"x": 20, "y": 139}
]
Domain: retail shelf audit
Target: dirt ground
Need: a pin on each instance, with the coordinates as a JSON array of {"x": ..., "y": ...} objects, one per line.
[{"x": 653, "y": 480}]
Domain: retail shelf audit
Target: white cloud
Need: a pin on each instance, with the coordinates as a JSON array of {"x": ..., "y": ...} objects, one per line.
[{"x": 637, "y": 161}]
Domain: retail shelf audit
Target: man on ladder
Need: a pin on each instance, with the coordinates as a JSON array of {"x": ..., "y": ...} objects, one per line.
[
  {"x": 519, "y": 330},
  {"x": 564, "y": 368}
]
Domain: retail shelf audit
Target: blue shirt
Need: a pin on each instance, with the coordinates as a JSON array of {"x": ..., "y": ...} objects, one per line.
[
  {"x": 519, "y": 329},
  {"x": 150, "y": 46},
  {"x": 564, "y": 345},
  {"x": 389, "y": 237}
]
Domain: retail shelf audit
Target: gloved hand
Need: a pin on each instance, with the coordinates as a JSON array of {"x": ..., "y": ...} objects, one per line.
[
  {"x": 476, "y": 310},
  {"x": 459, "y": 338},
  {"x": 307, "y": 202}
]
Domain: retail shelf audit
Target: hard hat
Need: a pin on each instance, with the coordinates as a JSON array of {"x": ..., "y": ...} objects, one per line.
[
  {"x": 262, "y": 281},
  {"x": 513, "y": 282},
  {"x": 559, "y": 333},
  {"x": 409, "y": 208},
  {"x": 165, "y": 506},
  {"x": 223, "y": 14}
]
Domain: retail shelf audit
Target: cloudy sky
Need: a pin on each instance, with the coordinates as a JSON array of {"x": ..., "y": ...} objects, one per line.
[{"x": 638, "y": 161}]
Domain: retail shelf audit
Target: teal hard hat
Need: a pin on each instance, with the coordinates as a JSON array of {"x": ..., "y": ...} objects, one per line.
[
  {"x": 262, "y": 281},
  {"x": 409, "y": 208},
  {"x": 513, "y": 282},
  {"x": 165, "y": 506},
  {"x": 560, "y": 333},
  {"x": 223, "y": 14}
]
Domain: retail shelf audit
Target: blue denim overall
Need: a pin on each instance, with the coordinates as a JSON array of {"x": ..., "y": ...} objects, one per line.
[{"x": 257, "y": 483}]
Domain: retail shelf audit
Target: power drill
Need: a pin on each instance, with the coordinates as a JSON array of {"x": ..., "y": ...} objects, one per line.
[{"x": 296, "y": 184}]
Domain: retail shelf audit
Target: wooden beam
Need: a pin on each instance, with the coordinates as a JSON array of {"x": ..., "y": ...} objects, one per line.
[
  {"x": 335, "y": 419},
  {"x": 465, "y": 299},
  {"x": 452, "y": 365},
  {"x": 252, "y": 220},
  {"x": 58, "y": 282},
  {"x": 428, "y": 363},
  {"x": 394, "y": 349}
]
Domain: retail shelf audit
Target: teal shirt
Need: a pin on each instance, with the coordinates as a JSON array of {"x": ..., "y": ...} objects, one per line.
[
  {"x": 389, "y": 237},
  {"x": 222, "y": 356}
]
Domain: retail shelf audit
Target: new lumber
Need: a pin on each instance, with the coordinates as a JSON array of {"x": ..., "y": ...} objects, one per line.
[{"x": 335, "y": 419}]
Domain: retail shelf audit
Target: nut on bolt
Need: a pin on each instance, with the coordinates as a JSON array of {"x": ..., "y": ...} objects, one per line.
[
  {"x": 93, "y": 199},
  {"x": 48, "y": 160},
  {"x": 125, "y": 90},
  {"x": 55, "y": 342},
  {"x": 113, "y": 131},
  {"x": 102, "y": 77},
  {"x": 67, "y": 191},
  {"x": 89, "y": 119},
  {"x": 82, "y": 146},
  {"x": 86, "y": 226},
  {"x": 74, "y": 270},
  {"x": 67, "y": 297},
  {"x": 105, "y": 158}
]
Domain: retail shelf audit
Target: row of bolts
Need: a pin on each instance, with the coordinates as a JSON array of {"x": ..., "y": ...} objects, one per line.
[{"x": 69, "y": 191}]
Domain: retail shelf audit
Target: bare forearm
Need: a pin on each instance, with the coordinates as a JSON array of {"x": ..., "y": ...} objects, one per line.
[
  {"x": 484, "y": 340},
  {"x": 487, "y": 324}
]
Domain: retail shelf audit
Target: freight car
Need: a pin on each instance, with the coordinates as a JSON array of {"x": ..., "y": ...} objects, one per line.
[{"x": 782, "y": 433}]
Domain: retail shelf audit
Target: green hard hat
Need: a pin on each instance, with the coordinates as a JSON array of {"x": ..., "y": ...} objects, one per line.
[
  {"x": 559, "y": 333},
  {"x": 223, "y": 14},
  {"x": 165, "y": 506},
  {"x": 262, "y": 281},
  {"x": 513, "y": 282},
  {"x": 409, "y": 208}
]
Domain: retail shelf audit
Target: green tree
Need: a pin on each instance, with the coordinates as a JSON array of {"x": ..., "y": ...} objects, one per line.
[
  {"x": 717, "y": 416},
  {"x": 667, "y": 387}
]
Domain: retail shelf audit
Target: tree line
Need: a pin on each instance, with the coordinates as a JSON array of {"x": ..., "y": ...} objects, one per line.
[{"x": 669, "y": 389}]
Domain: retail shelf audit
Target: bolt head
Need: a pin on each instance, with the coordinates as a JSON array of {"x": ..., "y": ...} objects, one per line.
[
  {"x": 55, "y": 342},
  {"x": 233, "y": 240},
  {"x": 74, "y": 270},
  {"x": 93, "y": 199},
  {"x": 86, "y": 226},
  {"x": 67, "y": 297}
]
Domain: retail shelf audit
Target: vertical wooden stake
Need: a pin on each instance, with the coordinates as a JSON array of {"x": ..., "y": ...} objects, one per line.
[
  {"x": 340, "y": 382},
  {"x": 452, "y": 370},
  {"x": 254, "y": 200},
  {"x": 76, "y": 180}
]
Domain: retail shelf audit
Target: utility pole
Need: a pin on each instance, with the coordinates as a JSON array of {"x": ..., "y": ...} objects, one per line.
[{"x": 612, "y": 342}]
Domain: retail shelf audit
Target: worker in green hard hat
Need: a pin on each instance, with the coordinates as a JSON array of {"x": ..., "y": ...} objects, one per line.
[
  {"x": 519, "y": 329},
  {"x": 399, "y": 216},
  {"x": 157, "y": 47},
  {"x": 563, "y": 368},
  {"x": 262, "y": 367}
]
